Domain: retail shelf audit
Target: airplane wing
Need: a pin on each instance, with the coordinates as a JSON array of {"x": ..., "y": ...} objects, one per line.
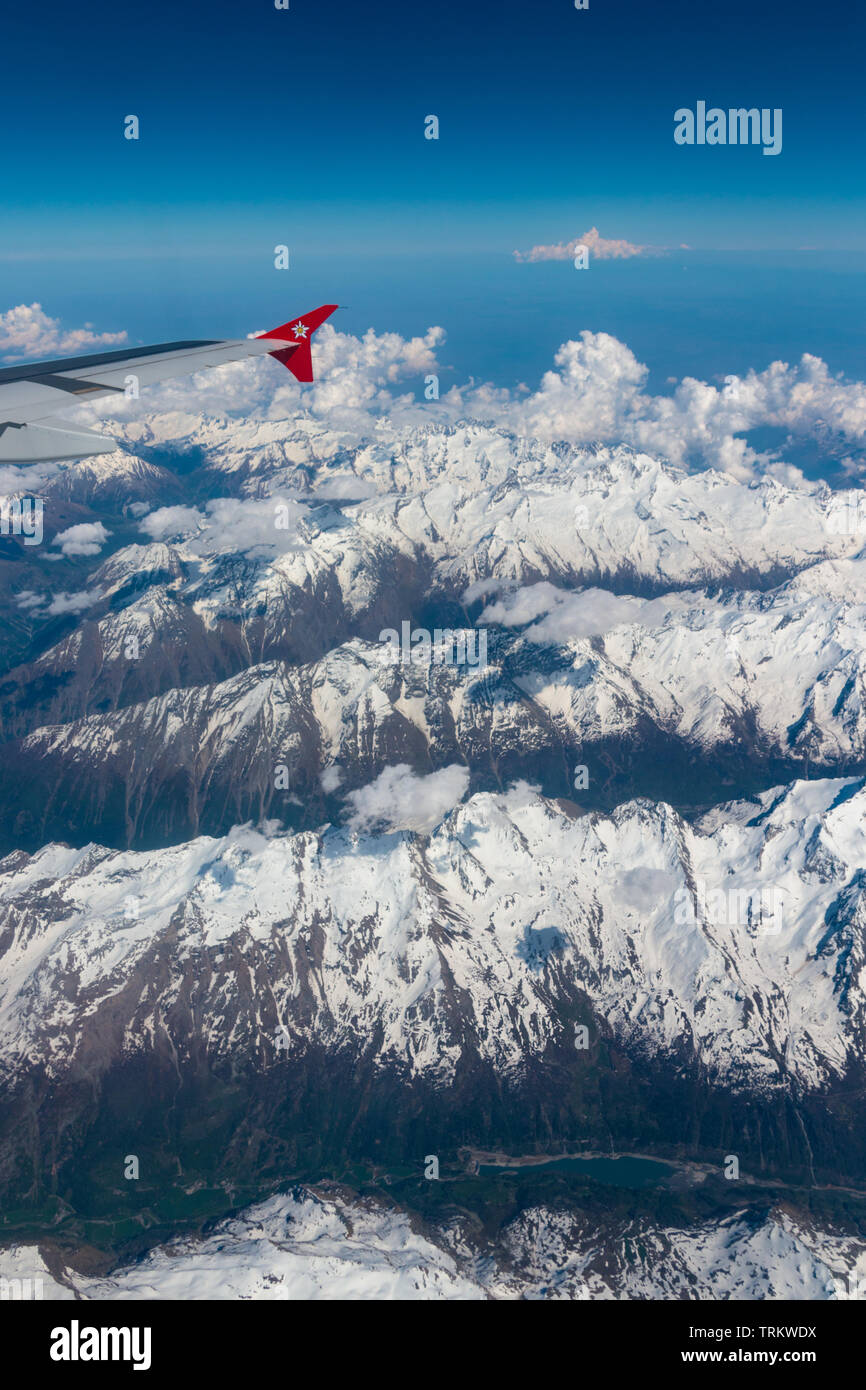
[{"x": 31, "y": 395}]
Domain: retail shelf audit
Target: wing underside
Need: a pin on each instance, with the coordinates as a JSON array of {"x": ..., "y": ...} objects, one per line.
[{"x": 49, "y": 440}]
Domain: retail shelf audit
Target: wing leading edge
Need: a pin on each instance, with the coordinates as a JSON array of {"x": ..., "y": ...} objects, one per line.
[{"x": 32, "y": 394}]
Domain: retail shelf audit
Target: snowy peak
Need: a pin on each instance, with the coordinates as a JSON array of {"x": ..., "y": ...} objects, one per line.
[{"x": 735, "y": 944}]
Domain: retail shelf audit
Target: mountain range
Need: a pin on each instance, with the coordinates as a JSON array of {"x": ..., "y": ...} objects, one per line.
[{"x": 282, "y": 917}]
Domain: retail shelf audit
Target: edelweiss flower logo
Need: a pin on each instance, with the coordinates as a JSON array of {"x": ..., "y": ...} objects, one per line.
[{"x": 300, "y": 330}]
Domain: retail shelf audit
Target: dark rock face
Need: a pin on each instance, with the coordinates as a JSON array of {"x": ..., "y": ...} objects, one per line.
[{"x": 248, "y": 1129}]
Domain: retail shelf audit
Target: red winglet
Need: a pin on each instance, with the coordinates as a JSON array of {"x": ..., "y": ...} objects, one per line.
[{"x": 298, "y": 357}]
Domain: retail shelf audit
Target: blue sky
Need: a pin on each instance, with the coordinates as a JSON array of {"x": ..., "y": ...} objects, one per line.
[{"x": 305, "y": 127}]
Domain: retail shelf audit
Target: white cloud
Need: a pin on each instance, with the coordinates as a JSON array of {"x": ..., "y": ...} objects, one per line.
[
  {"x": 71, "y": 603},
  {"x": 480, "y": 588},
  {"x": 27, "y": 331},
  {"x": 600, "y": 249},
  {"x": 566, "y": 616},
  {"x": 331, "y": 778},
  {"x": 356, "y": 375},
  {"x": 644, "y": 888},
  {"x": 169, "y": 523},
  {"x": 596, "y": 391},
  {"x": 17, "y": 480},
  {"x": 86, "y": 538},
  {"x": 230, "y": 524},
  {"x": 400, "y": 799},
  {"x": 28, "y": 598},
  {"x": 355, "y": 383}
]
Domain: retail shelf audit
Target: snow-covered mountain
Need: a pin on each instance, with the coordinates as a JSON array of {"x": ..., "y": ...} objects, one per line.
[
  {"x": 116, "y": 480},
  {"x": 277, "y": 907},
  {"x": 433, "y": 511},
  {"x": 679, "y": 697},
  {"x": 249, "y": 628},
  {"x": 310, "y": 1244},
  {"x": 734, "y": 945},
  {"x": 482, "y": 501}
]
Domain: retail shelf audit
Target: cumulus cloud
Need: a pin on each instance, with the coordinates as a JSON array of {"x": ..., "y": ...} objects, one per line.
[
  {"x": 557, "y": 615},
  {"x": 400, "y": 799},
  {"x": 276, "y": 524},
  {"x": 28, "y": 598},
  {"x": 357, "y": 375},
  {"x": 71, "y": 603},
  {"x": 27, "y": 331},
  {"x": 595, "y": 392},
  {"x": 331, "y": 778},
  {"x": 171, "y": 523},
  {"x": 86, "y": 538},
  {"x": 646, "y": 889},
  {"x": 600, "y": 249},
  {"x": 480, "y": 588},
  {"x": 357, "y": 380},
  {"x": 18, "y": 480}
]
